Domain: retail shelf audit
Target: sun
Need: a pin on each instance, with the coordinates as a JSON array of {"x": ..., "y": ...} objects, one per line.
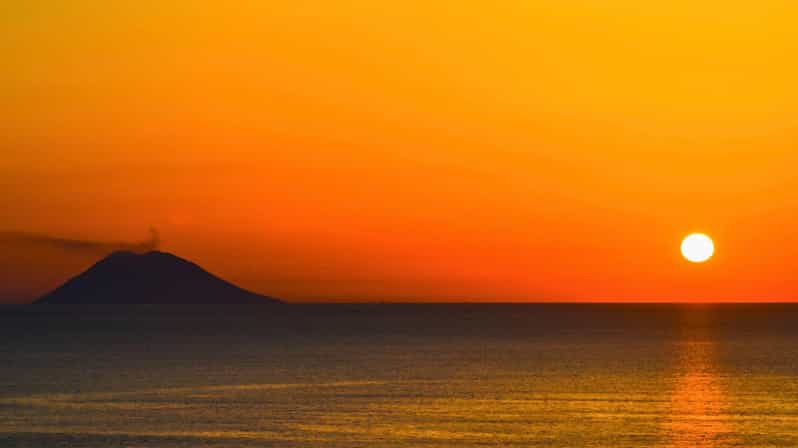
[{"x": 698, "y": 247}]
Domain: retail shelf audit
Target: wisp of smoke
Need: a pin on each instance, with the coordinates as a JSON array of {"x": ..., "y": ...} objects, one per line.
[{"x": 77, "y": 245}]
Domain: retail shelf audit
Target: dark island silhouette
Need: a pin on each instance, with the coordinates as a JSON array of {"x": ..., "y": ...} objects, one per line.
[{"x": 147, "y": 279}]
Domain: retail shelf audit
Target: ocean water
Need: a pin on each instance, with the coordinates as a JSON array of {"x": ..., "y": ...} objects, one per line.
[{"x": 400, "y": 376}]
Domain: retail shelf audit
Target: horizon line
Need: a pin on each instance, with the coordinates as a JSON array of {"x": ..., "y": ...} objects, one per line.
[{"x": 466, "y": 302}]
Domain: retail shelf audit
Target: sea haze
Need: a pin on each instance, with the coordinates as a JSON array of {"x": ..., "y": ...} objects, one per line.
[{"x": 400, "y": 375}]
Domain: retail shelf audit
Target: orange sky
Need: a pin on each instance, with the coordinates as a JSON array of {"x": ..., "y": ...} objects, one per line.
[{"x": 416, "y": 150}]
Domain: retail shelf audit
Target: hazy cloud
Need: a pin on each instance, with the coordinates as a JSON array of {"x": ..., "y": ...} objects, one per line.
[{"x": 77, "y": 245}]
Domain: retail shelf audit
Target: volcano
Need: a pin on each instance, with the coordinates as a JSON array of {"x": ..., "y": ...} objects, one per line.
[{"x": 148, "y": 279}]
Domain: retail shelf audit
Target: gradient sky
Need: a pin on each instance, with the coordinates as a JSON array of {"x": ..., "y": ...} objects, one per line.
[{"x": 414, "y": 150}]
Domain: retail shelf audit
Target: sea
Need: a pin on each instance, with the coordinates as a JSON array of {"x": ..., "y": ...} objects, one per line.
[{"x": 461, "y": 375}]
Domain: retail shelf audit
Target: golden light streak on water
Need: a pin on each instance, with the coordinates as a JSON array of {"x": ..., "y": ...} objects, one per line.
[{"x": 699, "y": 407}]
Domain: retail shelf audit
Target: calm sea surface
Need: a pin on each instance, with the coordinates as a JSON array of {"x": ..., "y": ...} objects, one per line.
[{"x": 400, "y": 376}]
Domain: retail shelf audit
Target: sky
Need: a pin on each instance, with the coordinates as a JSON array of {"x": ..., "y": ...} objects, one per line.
[{"x": 543, "y": 150}]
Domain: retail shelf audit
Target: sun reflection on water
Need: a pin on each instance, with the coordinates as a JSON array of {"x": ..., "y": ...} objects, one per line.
[{"x": 699, "y": 408}]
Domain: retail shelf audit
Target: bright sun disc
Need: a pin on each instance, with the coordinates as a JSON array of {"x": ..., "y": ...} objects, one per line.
[{"x": 698, "y": 248}]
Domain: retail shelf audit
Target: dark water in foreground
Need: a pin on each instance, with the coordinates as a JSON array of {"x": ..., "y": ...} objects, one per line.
[{"x": 384, "y": 375}]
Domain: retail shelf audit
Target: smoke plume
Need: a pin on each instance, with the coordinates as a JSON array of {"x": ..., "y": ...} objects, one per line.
[{"x": 11, "y": 238}]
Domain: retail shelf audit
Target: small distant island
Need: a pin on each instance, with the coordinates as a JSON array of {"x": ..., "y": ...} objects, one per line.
[{"x": 148, "y": 279}]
